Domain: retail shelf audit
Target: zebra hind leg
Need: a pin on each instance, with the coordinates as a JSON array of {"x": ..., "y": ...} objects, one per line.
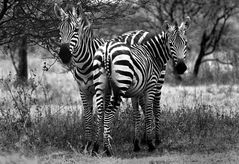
[
  {"x": 150, "y": 145},
  {"x": 106, "y": 140},
  {"x": 136, "y": 145},
  {"x": 108, "y": 119},
  {"x": 137, "y": 119},
  {"x": 148, "y": 122},
  {"x": 108, "y": 150},
  {"x": 143, "y": 140}
]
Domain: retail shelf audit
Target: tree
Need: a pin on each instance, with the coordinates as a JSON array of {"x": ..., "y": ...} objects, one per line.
[
  {"x": 213, "y": 33},
  {"x": 36, "y": 21},
  {"x": 209, "y": 18},
  {"x": 33, "y": 22}
]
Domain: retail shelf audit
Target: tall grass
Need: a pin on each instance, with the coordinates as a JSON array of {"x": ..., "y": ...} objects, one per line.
[
  {"x": 36, "y": 118},
  {"x": 30, "y": 120}
]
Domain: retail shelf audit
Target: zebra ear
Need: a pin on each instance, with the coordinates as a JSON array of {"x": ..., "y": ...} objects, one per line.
[
  {"x": 88, "y": 24},
  {"x": 175, "y": 24},
  {"x": 60, "y": 13},
  {"x": 74, "y": 13},
  {"x": 187, "y": 22},
  {"x": 70, "y": 9},
  {"x": 79, "y": 10},
  {"x": 82, "y": 20},
  {"x": 166, "y": 26},
  {"x": 185, "y": 25}
]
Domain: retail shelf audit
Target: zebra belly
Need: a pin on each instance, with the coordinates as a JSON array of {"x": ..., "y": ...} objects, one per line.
[
  {"x": 141, "y": 87},
  {"x": 136, "y": 88},
  {"x": 86, "y": 87},
  {"x": 85, "y": 82}
]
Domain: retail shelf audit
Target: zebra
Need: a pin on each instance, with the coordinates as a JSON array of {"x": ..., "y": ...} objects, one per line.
[
  {"x": 134, "y": 71},
  {"x": 78, "y": 46}
]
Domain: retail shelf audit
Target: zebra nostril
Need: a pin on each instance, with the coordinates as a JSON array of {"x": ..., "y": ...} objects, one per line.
[
  {"x": 65, "y": 54},
  {"x": 180, "y": 67}
]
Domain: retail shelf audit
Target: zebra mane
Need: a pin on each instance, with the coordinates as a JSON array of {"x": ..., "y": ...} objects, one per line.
[
  {"x": 163, "y": 37},
  {"x": 150, "y": 36}
]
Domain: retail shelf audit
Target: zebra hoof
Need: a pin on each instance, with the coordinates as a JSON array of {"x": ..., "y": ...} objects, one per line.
[
  {"x": 157, "y": 142},
  {"x": 86, "y": 148},
  {"x": 82, "y": 150},
  {"x": 137, "y": 149},
  {"x": 152, "y": 149},
  {"x": 108, "y": 151},
  {"x": 151, "y": 146},
  {"x": 95, "y": 150},
  {"x": 136, "y": 146},
  {"x": 143, "y": 141}
]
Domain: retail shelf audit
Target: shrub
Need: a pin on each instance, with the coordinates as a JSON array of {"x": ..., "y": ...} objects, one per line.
[{"x": 29, "y": 122}]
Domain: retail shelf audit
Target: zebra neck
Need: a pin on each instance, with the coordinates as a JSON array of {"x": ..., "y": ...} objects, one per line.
[
  {"x": 158, "y": 50},
  {"x": 83, "y": 55}
]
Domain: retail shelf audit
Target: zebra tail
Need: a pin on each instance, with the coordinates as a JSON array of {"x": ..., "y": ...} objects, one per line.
[{"x": 107, "y": 63}]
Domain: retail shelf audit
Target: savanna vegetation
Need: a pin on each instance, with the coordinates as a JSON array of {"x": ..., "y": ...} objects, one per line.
[{"x": 40, "y": 107}]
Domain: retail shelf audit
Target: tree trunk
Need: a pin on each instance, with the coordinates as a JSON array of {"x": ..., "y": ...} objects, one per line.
[
  {"x": 198, "y": 63},
  {"x": 22, "y": 72},
  {"x": 205, "y": 39}
]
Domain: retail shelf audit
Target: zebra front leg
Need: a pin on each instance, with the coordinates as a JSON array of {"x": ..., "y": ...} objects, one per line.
[
  {"x": 148, "y": 122},
  {"x": 99, "y": 122},
  {"x": 88, "y": 118},
  {"x": 157, "y": 109},
  {"x": 137, "y": 119},
  {"x": 157, "y": 113}
]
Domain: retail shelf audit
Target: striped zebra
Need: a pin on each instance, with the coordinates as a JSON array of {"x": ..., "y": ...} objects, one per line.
[
  {"x": 78, "y": 46},
  {"x": 134, "y": 71}
]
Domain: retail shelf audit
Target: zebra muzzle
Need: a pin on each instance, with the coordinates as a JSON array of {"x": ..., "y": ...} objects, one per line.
[
  {"x": 65, "y": 54},
  {"x": 180, "y": 67}
]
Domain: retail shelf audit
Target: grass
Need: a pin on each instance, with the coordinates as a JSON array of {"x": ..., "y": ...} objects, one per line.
[
  {"x": 71, "y": 158},
  {"x": 42, "y": 122}
]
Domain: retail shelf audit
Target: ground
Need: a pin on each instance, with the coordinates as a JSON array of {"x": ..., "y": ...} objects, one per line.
[{"x": 167, "y": 158}]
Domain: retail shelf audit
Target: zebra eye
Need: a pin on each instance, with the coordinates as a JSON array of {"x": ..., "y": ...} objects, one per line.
[
  {"x": 171, "y": 43},
  {"x": 186, "y": 42}
]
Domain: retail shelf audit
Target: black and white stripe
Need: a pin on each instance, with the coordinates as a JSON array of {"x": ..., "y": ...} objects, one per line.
[
  {"x": 135, "y": 71},
  {"x": 78, "y": 46}
]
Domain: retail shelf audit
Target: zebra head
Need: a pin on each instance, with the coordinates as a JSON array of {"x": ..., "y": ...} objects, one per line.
[
  {"x": 71, "y": 26},
  {"x": 178, "y": 44}
]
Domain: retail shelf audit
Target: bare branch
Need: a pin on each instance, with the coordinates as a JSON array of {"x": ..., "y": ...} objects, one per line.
[{"x": 4, "y": 9}]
